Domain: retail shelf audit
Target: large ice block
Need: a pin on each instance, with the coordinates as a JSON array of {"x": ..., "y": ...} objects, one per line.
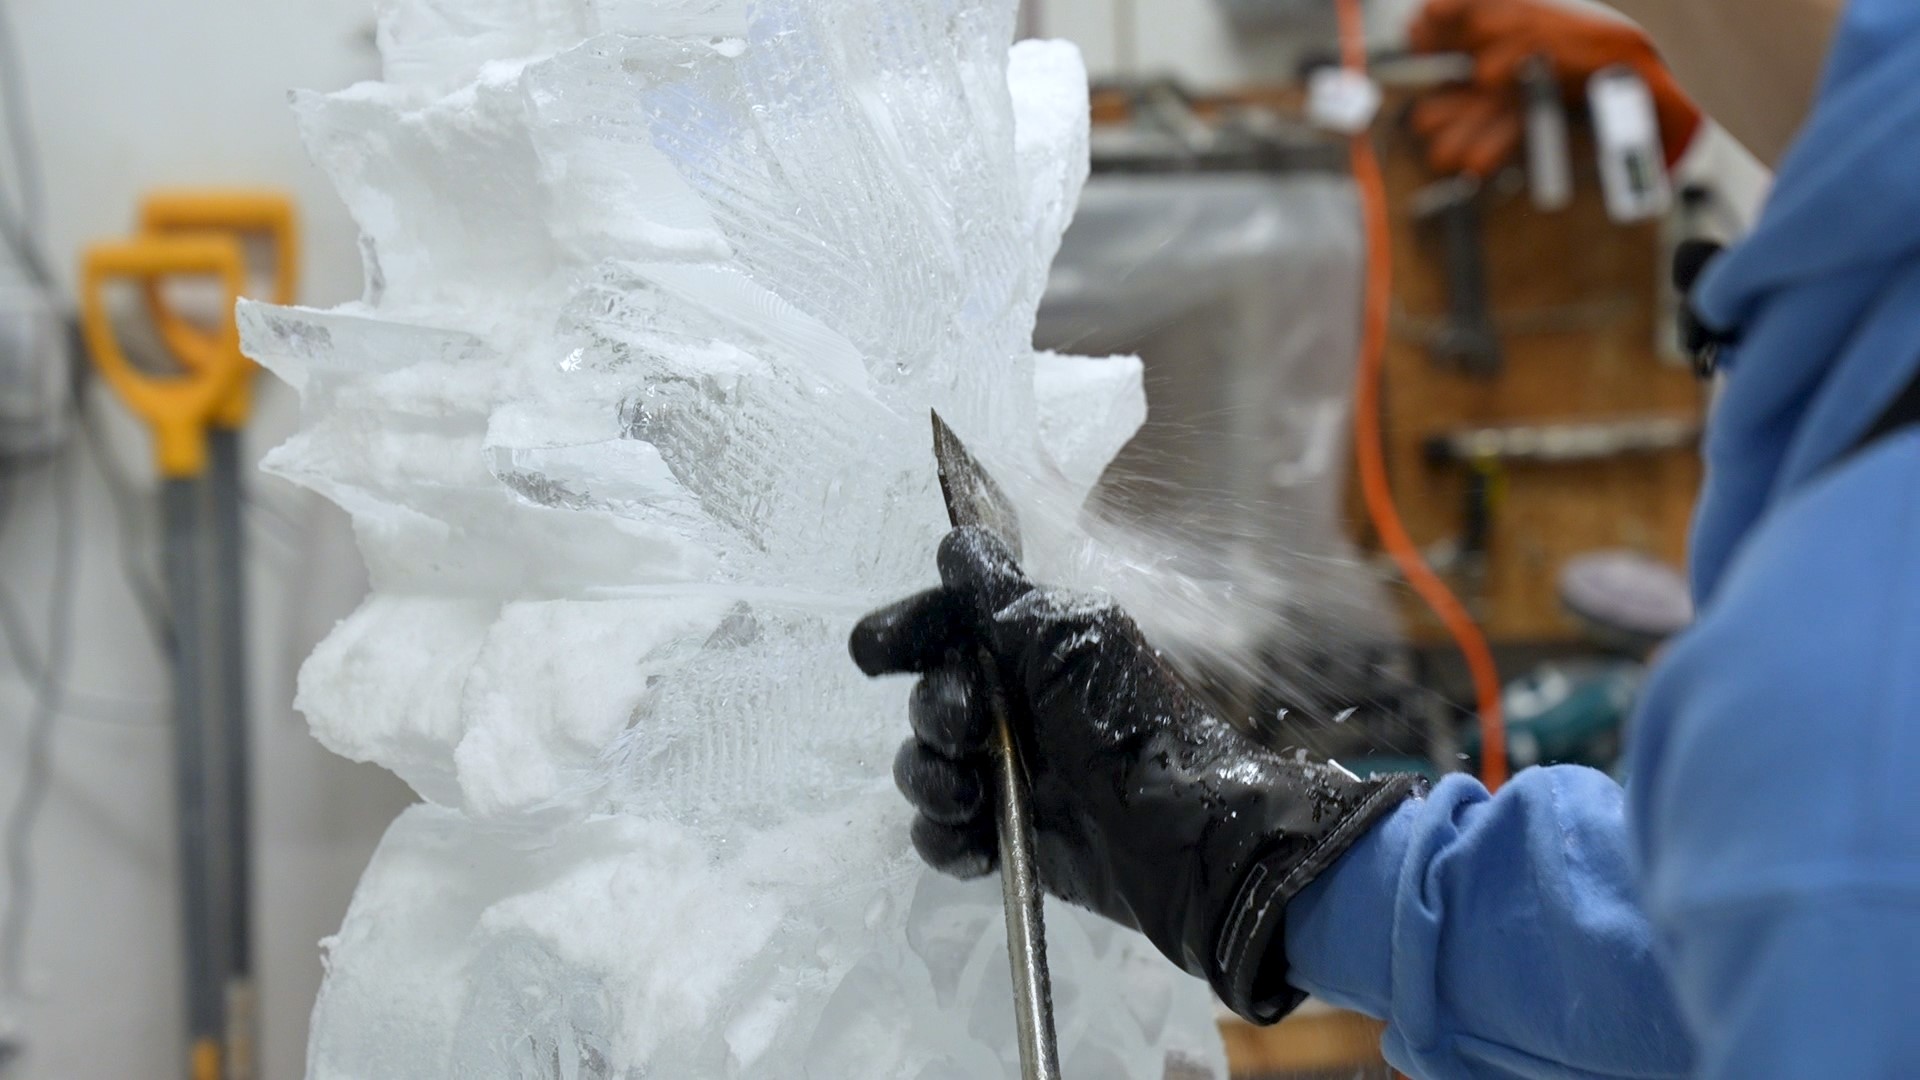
[{"x": 632, "y": 422}]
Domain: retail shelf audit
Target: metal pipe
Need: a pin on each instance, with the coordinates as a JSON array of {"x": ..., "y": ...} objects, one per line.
[
  {"x": 197, "y": 784},
  {"x": 233, "y": 731},
  {"x": 1021, "y": 896}
]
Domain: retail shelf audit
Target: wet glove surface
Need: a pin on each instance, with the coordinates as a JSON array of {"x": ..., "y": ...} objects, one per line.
[{"x": 1148, "y": 808}]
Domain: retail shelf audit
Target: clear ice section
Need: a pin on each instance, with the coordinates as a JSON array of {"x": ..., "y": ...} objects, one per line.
[{"x": 632, "y": 424}]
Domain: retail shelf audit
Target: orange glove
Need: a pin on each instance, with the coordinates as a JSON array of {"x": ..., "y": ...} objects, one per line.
[{"x": 1476, "y": 128}]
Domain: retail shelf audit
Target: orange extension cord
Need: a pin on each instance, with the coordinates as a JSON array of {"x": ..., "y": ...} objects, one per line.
[{"x": 1370, "y": 441}]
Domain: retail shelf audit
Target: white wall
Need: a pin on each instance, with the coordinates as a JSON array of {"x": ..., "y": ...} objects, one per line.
[
  {"x": 133, "y": 94},
  {"x": 128, "y": 95}
]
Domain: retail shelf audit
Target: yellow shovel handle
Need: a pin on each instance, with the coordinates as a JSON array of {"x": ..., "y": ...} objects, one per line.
[
  {"x": 178, "y": 407},
  {"x": 239, "y": 213}
]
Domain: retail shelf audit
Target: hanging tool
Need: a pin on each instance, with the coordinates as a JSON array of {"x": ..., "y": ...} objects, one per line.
[
  {"x": 1549, "y": 157},
  {"x": 1488, "y": 453},
  {"x": 1452, "y": 206},
  {"x": 179, "y": 407},
  {"x": 241, "y": 215},
  {"x": 1397, "y": 69},
  {"x": 973, "y": 498},
  {"x": 1566, "y": 442},
  {"x": 1486, "y": 484}
]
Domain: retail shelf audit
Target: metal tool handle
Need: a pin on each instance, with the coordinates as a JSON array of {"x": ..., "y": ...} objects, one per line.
[
  {"x": 1470, "y": 339},
  {"x": 241, "y": 214},
  {"x": 230, "y": 725},
  {"x": 198, "y": 782},
  {"x": 1020, "y": 892},
  {"x": 178, "y": 406}
]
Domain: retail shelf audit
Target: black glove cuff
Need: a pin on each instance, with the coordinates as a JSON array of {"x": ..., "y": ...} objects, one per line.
[{"x": 1250, "y": 958}]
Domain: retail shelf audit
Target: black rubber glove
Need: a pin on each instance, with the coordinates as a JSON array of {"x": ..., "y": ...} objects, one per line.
[{"x": 1148, "y": 809}]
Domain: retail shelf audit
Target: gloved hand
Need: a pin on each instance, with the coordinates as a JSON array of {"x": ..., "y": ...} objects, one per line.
[
  {"x": 1148, "y": 809},
  {"x": 1476, "y": 128}
]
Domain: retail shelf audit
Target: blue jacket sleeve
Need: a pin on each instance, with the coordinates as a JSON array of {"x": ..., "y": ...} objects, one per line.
[
  {"x": 1498, "y": 936},
  {"x": 1773, "y": 806}
]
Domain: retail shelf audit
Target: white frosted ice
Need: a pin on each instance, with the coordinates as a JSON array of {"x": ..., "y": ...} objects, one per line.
[
  {"x": 632, "y": 423},
  {"x": 1088, "y": 409}
]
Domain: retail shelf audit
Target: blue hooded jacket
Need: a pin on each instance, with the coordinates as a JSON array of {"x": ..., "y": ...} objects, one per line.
[{"x": 1750, "y": 907}]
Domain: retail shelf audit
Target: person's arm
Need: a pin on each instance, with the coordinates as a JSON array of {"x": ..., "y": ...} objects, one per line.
[
  {"x": 1498, "y": 936},
  {"x": 1776, "y": 765}
]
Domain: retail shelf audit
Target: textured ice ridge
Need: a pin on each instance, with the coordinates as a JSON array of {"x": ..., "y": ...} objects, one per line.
[{"x": 632, "y": 424}]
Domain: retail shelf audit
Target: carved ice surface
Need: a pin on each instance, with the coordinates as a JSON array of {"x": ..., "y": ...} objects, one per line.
[{"x": 632, "y": 423}]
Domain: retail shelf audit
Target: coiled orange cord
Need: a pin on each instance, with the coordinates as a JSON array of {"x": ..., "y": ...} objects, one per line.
[{"x": 1370, "y": 441}]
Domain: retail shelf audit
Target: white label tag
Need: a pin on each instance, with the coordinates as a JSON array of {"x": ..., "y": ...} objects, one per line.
[{"x": 1626, "y": 129}]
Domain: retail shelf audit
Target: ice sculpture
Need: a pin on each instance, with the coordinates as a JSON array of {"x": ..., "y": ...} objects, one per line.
[{"x": 632, "y": 423}]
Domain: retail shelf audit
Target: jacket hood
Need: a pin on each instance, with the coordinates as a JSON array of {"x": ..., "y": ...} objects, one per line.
[{"x": 1822, "y": 301}]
